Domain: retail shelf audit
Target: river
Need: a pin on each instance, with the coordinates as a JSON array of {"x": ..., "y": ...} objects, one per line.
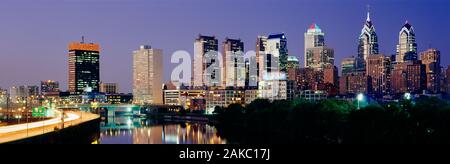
[{"x": 132, "y": 130}]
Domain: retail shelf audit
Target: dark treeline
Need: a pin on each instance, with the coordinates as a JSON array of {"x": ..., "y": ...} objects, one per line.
[{"x": 426, "y": 120}]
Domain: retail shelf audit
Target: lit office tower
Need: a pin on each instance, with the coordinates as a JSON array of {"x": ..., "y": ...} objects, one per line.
[
  {"x": 84, "y": 67},
  {"x": 314, "y": 37},
  {"x": 274, "y": 60},
  {"x": 431, "y": 58},
  {"x": 379, "y": 70},
  {"x": 319, "y": 57},
  {"x": 447, "y": 80},
  {"x": 49, "y": 86},
  {"x": 292, "y": 67},
  {"x": 147, "y": 75},
  {"x": 368, "y": 43},
  {"x": 207, "y": 69},
  {"x": 109, "y": 88},
  {"x": 261, "y": 44},
  {"x": 348, "y": 65},
  {"x": 407, "y": 47},
  {"x": 408, "y": 77},
  {"x": 251, "y": 75},
  {"x": 233, "y": 74}
]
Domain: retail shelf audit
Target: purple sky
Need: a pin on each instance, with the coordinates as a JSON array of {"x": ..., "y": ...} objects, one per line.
[{"x": 34, "y": 33}]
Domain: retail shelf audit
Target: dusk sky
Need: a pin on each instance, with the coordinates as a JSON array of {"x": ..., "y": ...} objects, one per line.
[{"x": 34, "y": 34}]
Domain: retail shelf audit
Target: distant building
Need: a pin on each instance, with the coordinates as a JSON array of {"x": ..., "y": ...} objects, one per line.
[
  {"x": 50, "y": 87},
  {"x": 368, "y": 43},
  {"x": 348, "y": 65},
  {"x": 330, "y": 75},
  {"x": 3, "y": 99},
  {"x": 22, "y": 93},
  {"x": 319, "y": 57},
  {"x": 250, "y": 95},
  {"x": 273, "y": 61},
  {"x": 223, "y": 98},
  {"x": 378, "y": 68},
  {"x": 407, "y": 46},
  {"x": 354, "y": 83},
  {"x": 84, "y": 67},
  {"x": 276, "y": 90},
  {"x": 431, "y": 58},
  {"x": 292, "y": 67},
  {"x": 408, "y": 77},
  {"x": 314, "y": 37},
  {"x": 206, "y": 56},
  {"x": 233, "y": 74},
  {"x": 261, "y": 57},
  {"x": 447, "y": 77},
  {"x": 309, "y": 79},
  {"x": 119, "y": 98},
  {"x": 313, "y": 95},
  {"x": 109, "y": 88},
  {"x": 147, "y": 75}
]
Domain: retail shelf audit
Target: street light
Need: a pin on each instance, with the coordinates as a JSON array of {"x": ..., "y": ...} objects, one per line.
[
  {"x": 407, "y": 96},
  {"x": 359, "y": 98}
]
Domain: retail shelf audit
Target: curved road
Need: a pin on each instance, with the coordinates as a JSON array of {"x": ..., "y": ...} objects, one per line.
[{"x": 17, "y": 132}]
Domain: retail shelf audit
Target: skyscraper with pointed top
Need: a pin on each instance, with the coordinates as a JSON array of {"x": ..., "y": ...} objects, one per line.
[
  {"x": 368, "y": 43},
  {"x": 407, "y": 46}
]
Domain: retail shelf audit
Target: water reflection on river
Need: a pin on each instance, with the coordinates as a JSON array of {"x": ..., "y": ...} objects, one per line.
[{"x": 129, "y": 130}]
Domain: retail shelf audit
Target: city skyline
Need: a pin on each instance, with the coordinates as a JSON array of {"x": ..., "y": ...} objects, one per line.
[{"x": 116, "y": 65}]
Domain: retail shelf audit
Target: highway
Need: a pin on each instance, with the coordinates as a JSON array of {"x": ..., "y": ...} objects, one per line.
[{"x": 17, "y": 132}]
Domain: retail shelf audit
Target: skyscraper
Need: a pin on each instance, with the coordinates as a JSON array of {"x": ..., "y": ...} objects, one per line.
[
  {"x": 319, "y": 57},
  {"x": 84, "y": 66},
  {"x": 348, "y": 65},
  {"x": 261, "y": 44},
  {"x": 275, "y": 57},
  {"x": 368, "y": 43},
  {"x": 147, "y": 75},
  {"x": 233, "y": 74},
  {"x": 408, "y": 77},
  {"x": 314, "y": 37},
  {"x": 431, "y": 58},
  {"x": 447, "y": 79},
  {"x": 207, "y": 69},
  {"x": 407, "y": 47},
  {"x": 379, "y": 70},
  {"x": 292, "y": 67}
]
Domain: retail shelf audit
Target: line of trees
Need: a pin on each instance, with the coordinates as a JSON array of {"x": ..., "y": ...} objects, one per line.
[{"x": 426, "y": 120}]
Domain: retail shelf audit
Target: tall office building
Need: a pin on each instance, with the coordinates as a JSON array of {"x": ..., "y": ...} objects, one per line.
[
  {"x": 379, "y": 70},
  {"x": 274, "y": 60},
  {"x": 408, "y": 77},
  {"x": 407, "y": 47},
  {"x": 447, "y": 79},
  {"x": 292, "y": 67},
  {"x": 261, "y": 44},
  {"x": 330, "y": 75},
  {"x": 431, "y": 58},
  {"x": 233, "y": 74},
  {"x": 314, "y": 37},
  {"x": 49, "y": 86},
  {"x": 319, "y": 57},
  {"x": 251, "y": 73},
  {"x": 368, "y": 43},
  {"x": 84, "y": 67},
  {"x": 206, "y": 71},
  {"x": 109, "y": 88},
  {"x": 147, "y": 75},
  {"x": 354, "y": 83},
  {"x": 348, "y": 65}
]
